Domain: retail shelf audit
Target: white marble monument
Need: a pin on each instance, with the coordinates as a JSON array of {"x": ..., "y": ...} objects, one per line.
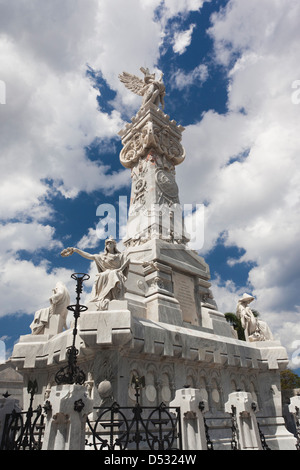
[{"x": 151, "y": 312}]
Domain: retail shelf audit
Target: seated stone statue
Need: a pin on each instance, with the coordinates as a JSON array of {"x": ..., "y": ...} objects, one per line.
[
  {"x": 112, "y": 269},
  {"x": 255, "y": 330},
  {"x": 111, "y": 277},
  {"x": 52, "y": 320}
]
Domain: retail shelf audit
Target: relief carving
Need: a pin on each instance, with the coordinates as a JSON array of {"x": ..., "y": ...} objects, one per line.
[
  {"x": 139, "y": 192},
  {"x": 151, "y": 136},
  {"x": 168, "y": 186}
]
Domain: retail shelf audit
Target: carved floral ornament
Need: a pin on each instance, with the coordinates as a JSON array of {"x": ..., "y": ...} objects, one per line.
[{"x": 160, "y": 139}]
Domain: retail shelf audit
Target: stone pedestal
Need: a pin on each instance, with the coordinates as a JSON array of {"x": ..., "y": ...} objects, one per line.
[
  {"x": 192, "y": 421},
  {"x": 294, "y": 409},
  {"x": 7, "y": 406},
  {"x": 242, "y": 408},
  {"x": 115, "y": 344},
  {"x": 65, "y": 425}
]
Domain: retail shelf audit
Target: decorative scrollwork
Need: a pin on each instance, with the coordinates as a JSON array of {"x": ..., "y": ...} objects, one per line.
[
  {"x": 150, "y": 136},
  {"x": 71, "y": 373}
]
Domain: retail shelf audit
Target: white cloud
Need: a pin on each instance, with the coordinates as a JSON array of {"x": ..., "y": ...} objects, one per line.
[
  {"x": 26, "y": 287},
  {"x": 52, "y": 114},
  {"x": 128, "y": 37},
  {"x": 26, "y": 236},
  {"x": 181, "y": 7},
  {"x": 22, "y": 197},
  {"x": 49, "y": 119},
  {"x": 226, "y": 294},
  {"x": 249, "y": 158},
  {"x": 91, "y": 240},
  {"x": 197, "y": 76},
  {"x": 182, "y": 39}
]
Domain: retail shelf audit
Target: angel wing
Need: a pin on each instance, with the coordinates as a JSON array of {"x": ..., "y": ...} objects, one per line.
[{"x": 133, "y": 83}]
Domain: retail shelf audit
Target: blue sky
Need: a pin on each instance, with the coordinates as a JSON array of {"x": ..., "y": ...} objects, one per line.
[{"x": 230, "y": 68}]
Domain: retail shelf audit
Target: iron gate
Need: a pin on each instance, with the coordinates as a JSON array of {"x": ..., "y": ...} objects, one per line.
[
  {"x": 24, "y": 430},
  {"x": 135, "y": 428}
]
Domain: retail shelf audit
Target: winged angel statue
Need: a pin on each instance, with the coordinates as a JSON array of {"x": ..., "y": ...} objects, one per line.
[{"x": 152, "y": 90}]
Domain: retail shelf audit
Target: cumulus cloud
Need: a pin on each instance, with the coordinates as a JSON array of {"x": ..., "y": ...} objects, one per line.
[
  {"x": 26, "y": 236},
  {"x": 173, "y": 8},
  {"x": 91, "y": 240},
  {"x": 52, "y": 114},
  {"x": 182, "y": 40},
  {"x": 226, "y": 294},
  {"x": 249, "y": 157},
  {"x": 196, "y": 77},
  {"x": 25, "y": 284},
  {"x": 27, "y": 287}
]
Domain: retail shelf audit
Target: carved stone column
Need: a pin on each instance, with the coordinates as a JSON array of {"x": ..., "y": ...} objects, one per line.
[
  {"x": 192, "y": 420},
  {"x": 68, "y": 407},
  {"x": 241, "y": 406},
  {"x": 151, "y": 149}
]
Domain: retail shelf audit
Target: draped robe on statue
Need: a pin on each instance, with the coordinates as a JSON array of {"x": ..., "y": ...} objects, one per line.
[
  {"x": 52, "y": 319},
  {"x": 255, "y": 329},
  {"x": 110, "y": 280}
]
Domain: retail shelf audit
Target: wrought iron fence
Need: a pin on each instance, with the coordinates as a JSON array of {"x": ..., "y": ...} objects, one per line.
[
  {"x": 23, "y": 430},
  {"x": 234, "y": 430},
  {"x": 297, "y": 423},
  {"x": 135, "y": 428}
]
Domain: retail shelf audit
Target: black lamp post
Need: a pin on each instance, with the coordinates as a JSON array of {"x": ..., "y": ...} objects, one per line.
[{"x": 71, "y": 374}]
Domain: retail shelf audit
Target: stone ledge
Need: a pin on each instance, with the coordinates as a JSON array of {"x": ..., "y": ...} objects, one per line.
[
  {"x": 29, "y": 352},
  {"x": 120, "y": 329}
]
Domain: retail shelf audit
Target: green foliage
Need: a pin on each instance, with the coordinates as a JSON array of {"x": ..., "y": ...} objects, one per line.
[
  {"x": 255, "y": 313},
  {"x": 235, "y": 322},
  {"x": 289, "y": 380}
]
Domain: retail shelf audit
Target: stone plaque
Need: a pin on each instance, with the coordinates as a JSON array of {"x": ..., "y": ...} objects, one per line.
[{"x": 184, "y": 292}]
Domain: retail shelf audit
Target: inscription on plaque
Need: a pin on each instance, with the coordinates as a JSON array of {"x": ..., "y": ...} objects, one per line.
[{"x": 184, "y": 291}]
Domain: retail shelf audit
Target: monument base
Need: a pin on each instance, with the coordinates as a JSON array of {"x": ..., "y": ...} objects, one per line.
[{"x": 115, "y": 345}]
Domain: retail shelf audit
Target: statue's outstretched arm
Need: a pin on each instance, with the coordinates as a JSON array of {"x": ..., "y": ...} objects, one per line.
[
  {"x": 84, "y": 254},
  {"x": 69, "y": 251}
]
